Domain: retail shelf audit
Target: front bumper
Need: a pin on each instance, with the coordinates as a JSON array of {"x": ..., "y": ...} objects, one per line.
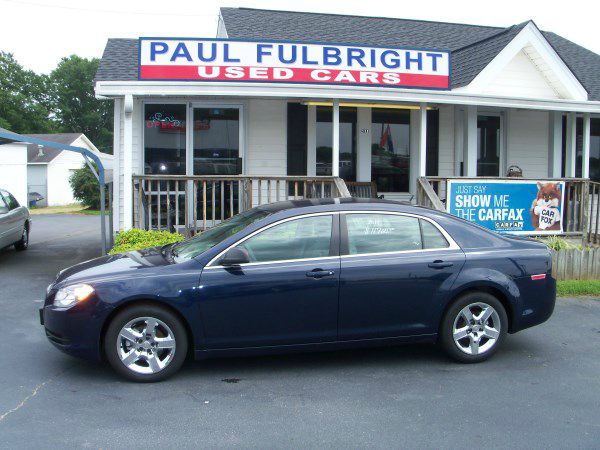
[{"x": 76, "y": 330}]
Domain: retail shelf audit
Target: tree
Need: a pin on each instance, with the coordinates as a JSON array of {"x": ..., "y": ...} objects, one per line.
[
  {"x": 25, "y": 104},
  {"x": 75, "y": 105},
  {"x": 85, "y": 187}
]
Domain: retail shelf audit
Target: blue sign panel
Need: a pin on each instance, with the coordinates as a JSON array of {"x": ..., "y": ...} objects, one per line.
[{"x": 509, "y": 206}]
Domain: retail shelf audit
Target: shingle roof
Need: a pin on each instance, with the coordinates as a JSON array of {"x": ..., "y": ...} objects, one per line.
[
  {"x": 472, "y": 46},
  {"x": 45, "y": 154}
]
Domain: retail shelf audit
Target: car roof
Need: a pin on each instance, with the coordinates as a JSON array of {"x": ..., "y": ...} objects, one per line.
[{"x": 297, "y": 207}]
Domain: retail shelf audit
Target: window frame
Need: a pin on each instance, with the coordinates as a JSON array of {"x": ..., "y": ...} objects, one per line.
[
  {"x": 334, "y": 246},
  {"x": 344, "y": 238}
]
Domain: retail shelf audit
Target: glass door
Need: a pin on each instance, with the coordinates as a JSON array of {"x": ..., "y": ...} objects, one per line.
[{"x": 217, "y": 143}]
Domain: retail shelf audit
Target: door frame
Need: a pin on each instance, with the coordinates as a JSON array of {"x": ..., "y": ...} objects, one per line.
[{"x": 241, "y": 106}]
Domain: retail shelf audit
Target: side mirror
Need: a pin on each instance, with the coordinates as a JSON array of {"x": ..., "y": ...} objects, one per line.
[
  {"x": 4, "y": 210},
  {"x": 234, "y": 257}
]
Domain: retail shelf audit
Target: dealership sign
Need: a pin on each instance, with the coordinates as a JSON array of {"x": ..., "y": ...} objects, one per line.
[
  {"x": 291, "y": 62},
  {"x": 509, "y": 206}
]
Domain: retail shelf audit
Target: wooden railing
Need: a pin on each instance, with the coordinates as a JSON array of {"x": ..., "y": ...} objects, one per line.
[
  {"x": 362, "y": 189},
  {"x": 581, "y": 209},
  {"x": 189, "y": 204}
]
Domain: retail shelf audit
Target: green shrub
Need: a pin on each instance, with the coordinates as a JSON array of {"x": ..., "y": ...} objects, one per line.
[
  {"x": 556, "y": 243},
  {"x": 85, "y": 187},
  {"x": 136, "y": 239}
]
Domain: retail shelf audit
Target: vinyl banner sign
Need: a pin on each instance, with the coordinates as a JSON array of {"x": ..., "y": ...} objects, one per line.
[
  {"x": 509, "y": 206},
  {"x": 291, "y": 62}
]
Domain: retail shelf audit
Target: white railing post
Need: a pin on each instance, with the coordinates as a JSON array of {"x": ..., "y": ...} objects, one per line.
[{"x": 570, "y": 161}]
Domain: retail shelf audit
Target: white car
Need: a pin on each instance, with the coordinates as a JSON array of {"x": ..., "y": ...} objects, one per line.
[{"x": 15, "y": 223}]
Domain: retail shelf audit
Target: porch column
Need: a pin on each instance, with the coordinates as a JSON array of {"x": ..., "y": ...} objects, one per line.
[
  {"x": 311, "y": 141},
  {"x": 116, "y": 201},
  {"x": 363, "y": 139},
  {"x": 571, "y": 145},
  {"x": 335, "y": 144},
  {"x": 422, "y": 156},
  {"x": 470, "y": 142},
  {"x": 585, "y": 153},
  {"x": 127, "y": 162},
  {"x": 458, "y": 140},
  {"x": 555, "y": 145}
]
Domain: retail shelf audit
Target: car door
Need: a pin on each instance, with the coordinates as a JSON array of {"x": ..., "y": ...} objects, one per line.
[
  {"x": 15, "y": 219},
  {"x": 5, "y": 223},
  {"x": 287, "y": 294},
  {"x": 394, "y": 271}
]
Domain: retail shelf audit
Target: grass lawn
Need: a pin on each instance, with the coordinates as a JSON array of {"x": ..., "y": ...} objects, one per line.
[
  {"x": 572, "y": 288},
  {"x": 74, "y": 208}
]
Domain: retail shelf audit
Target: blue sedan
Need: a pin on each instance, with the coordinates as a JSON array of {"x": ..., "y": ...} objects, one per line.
[{"x": 303, "y": 276}]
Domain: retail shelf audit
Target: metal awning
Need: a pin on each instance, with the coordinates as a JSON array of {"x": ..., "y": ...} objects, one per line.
[{"x": 7, "y": 137}]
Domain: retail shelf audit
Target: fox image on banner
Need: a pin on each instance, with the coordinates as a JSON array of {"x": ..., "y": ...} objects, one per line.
[{"x": 509, "y": 206}]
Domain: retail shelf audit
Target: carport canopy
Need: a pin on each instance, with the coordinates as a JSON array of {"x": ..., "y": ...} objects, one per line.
[{"x": 7, "y": 137}]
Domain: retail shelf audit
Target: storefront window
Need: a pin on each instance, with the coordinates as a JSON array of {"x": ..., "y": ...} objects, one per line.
[
  {"x": 594, "y": 149},
  {"x": 488, "y": 146},
  {"x": 217, "y": 141},
  {"x": 390, "y": 149},
  {"x": 164, "y": 139},
  {"x": 347, "y": 142}
]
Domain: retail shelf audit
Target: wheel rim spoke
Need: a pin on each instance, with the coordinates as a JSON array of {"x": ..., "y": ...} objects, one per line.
[
  {"x": 461, "y": 333},
  {"x": 130, "y": 334},
  {"x": 474, "y": 346},
  {"x": 467, "y": 314},
  {"x": 131, "y": 358},
  {"x": 154, "y": 363},
  {"x": 164, "y": 343},
  {"x": 150, "y": 329},
  {"x": 491, "y": 333}
]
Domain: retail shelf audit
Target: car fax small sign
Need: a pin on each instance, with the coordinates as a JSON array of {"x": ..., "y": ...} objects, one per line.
[
  {"x": 171, "y": 59},
  {"x": 509, "y": 206}
]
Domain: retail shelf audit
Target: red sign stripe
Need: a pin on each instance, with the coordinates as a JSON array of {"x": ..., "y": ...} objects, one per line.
[{"x": 294, "y": 75}]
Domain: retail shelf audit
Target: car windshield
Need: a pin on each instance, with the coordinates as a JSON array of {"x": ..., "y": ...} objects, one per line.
[{"x": 193, "y": 247}]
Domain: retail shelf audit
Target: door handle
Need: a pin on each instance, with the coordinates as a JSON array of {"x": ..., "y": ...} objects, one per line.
[
  {"x": 439, "y": 264},
  {"x": 319, "y": 273}
]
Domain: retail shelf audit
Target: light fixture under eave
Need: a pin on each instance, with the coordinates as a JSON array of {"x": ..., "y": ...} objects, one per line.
[{"x": 369, "y": 105}]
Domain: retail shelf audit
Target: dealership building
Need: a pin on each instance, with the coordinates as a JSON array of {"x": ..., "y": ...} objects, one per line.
[{"x": 289, "y": 104}]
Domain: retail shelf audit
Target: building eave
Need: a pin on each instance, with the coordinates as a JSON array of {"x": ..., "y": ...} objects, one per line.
[{"x": 114, "y": 89}]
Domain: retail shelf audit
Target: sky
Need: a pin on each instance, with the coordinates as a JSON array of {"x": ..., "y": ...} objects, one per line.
[{"x": 40, "y": 32}]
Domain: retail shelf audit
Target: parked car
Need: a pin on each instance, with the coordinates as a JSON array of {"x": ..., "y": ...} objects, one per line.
[
  {"x": 15, "y": 223},
  {"x": 303, "y": 275}
]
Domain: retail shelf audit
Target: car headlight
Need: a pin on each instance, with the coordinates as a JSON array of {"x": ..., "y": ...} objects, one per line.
[{"x": 70, "y": 295}]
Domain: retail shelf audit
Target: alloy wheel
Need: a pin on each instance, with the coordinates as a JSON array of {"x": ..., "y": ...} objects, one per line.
[
  {"x": 146, "y": 345},
  {"x": 476, "y": 328}
]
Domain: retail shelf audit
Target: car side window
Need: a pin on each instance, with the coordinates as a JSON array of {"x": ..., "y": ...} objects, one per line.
[
  {"x": 432, "y": 237},
  {"x": 380, "y": 233},
  {"x": 2, "y": 202},
  {"x": 11, "y": 202},
  {"x": 307, "y": 237}
]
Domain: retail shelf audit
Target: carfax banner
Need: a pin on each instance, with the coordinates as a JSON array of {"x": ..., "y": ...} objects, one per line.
[
  {"x": 170, "y": 59},
  {"x": 509, "y": 206}
]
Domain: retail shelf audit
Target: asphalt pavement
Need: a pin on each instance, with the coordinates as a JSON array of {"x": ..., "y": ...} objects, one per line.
[{"x": 542, "y": 389}]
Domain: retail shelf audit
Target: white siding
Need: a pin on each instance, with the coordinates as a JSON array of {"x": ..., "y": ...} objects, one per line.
[
  {"x": 59, "y": 172},
  {"x": 528, "y": 142},
  {"x": 446, "y": 142},
  {"x": 13, "y": 170},
  {"x": 266, "y": 149},
  {"x": 521, "y": 78}
]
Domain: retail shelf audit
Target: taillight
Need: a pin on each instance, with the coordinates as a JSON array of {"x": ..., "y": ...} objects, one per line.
[{"x": 540, "y": 276}]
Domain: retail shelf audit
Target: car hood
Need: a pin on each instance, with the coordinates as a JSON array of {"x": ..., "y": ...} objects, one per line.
[{"x": 112, "y": 266}]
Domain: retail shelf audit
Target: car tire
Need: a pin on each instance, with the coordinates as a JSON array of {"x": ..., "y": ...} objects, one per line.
[
  {"x": 23, "y": 243},
  {"x": 473, "y": 328},
  {"x": 137, "y": 353}
]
